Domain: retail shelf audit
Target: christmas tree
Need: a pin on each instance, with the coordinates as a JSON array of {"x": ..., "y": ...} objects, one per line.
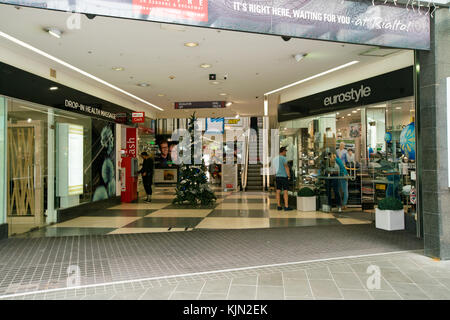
[{"x": 192, "y": 187}]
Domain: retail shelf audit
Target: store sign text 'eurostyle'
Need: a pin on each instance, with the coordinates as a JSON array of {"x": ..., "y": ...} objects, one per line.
[
  {"x": 351, "y": 95},
  {"x": 362, "y": 22}
]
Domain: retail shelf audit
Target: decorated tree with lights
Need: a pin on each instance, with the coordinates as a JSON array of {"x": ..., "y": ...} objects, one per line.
[{"x": 192, "y": 187}]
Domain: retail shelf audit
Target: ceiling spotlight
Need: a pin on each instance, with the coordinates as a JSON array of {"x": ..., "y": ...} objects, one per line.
[
  {"x": 349, "y": 115},
  {"x": 29, "y": 120},
  {"x": 398, "y": 108},
  {"x": 337, "y": 113},
  {"x": 191, "y": 44},
  {"x": 228, "y": 104},
  {"x": 222, "y": 94},
  {"x": 143, "y": 84},
  {"x": 300, "y": 56},
  {"x": 358, "y": 109},
  {"x": 118, "y": 68},
  {"x": 55, "y": 32},
  {"x": 215, "y": 82},
  {"x": 205, "y": 65},
  {"x": 53, "y": 88},
  {"x": 354, "y": 111},
  {"x": 237, "y": 116},
  {"x": 160, "y": 95}
]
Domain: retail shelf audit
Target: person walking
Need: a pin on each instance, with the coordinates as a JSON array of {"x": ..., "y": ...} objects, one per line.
[
  {"x": 147, "y": 174},
  {"x": 283, "y": 175}
]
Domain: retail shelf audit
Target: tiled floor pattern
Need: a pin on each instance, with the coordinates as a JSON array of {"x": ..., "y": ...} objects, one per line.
[
  {"x": 239, "y": 210},
  {"x": 408, "y": 275},
  {"x": 29, "y": 264}
]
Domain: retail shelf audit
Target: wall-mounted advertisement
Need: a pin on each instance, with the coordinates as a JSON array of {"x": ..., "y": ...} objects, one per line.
[
  {"x": 362, "y": 22},
  {"x": 70, "y": 160}
]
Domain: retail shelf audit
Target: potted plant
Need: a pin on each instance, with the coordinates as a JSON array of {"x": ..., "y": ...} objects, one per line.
[
  {"x": 390, "y": 215},
  {"x": 306, "y": 199}
]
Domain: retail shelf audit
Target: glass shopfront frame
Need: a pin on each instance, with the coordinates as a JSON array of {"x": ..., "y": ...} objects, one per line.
[
  {"x": 383, "y": 131},
  {"x": 57, "y": 160}
]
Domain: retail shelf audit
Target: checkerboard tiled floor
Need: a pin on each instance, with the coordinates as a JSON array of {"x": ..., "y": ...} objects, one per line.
[{"x": 233, "y": 210}]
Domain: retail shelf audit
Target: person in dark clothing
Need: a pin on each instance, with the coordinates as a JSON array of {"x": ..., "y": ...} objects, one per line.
[{"x": 147, "y": 174}]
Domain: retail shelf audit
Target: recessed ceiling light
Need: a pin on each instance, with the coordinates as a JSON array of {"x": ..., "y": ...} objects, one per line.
[
  {"x": 349, "y": 114},
  {"x": 354, "y": 111},
  {"x": 228, "y": 104},
  {"x": 215, "y": 82},
  {"x": 171, "y": 77},
  {"x": 29, "y": 120},
  {"x": 118, "y": 68},
  {"x": 337, "y": 113},
  {"x": 55, "y": 32},
  {"x": 68, "y": 65},
  {"x": 358, "y": 109},
  {"x": 237, "y": 116},
  {"x": 160, "y": 95},
  {"x": 205, "y": 65},
  {"x": 53, "y": 88},
  {"x": 191, "y": 44},
  {"x": 222, "y": 94},
  {"x": 398, "y": 108},
  {"x": 143, "y": 84}
]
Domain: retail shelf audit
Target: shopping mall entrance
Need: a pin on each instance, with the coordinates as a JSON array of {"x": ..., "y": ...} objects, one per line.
[{"x": 266, "y": 91}]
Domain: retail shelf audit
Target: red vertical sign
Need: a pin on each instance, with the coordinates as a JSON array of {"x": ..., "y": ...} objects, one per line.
[{"x": 131, "y": 142}]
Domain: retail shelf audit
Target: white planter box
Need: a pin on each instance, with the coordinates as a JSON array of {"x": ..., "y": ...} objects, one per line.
[
  {"x": 389, "y": 220},
  {"x": 306, "y": 203}
]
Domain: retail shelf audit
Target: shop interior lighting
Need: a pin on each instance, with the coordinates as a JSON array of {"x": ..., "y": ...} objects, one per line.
[
  {"x": 205, "y": 65},
  {"x": 229, "y": 103},
  {"x": 191, "y": 44},
  {"x": 53, "y": 88},
  {"x": 68, "y": 65}
]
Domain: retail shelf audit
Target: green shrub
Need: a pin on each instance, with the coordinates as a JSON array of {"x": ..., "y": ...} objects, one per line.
[
  {"x": 306, "y": 192},
  {"x": 390, "y": 203}
]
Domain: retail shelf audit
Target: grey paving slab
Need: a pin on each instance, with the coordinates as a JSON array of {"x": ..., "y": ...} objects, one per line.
[
  {"x": 159, "y": 293},
  {"x": 444, "y": 281},
  {"x": 409, "y": 291},
  {"x": 340, "y": 268},
  {"x": 421, "y": 277},
  {"x": 297, "y": 288},
  {"x": 384, "y": 295},
  {"x": 248, "y": 280},
  {"x": 356, "y": 294},
  {"x": 183, "y": 296},
  {"x": 129, "y": 295},
  {"x": 216, "y": 286},
  {"x": 325, "y": 289},
  {"x": 395, "y": 275},
  {"x": 271, "y": 279},
  {"x": 269, "y": 293},
  {"x": 435, "y": 292},
  {"x": 296, "y": 274},
  {"x": 348, "y": 281},
  {"x": 319, "y": 273},
  {"x": 193, "y": 287},
  {"x": 212, "y": 296},
  {"x": 384, "y": 285},
  {"x": 242, "y": 292}
]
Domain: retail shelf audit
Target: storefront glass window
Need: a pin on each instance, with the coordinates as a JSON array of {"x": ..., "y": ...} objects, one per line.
[{"x": 56, "y": 160}]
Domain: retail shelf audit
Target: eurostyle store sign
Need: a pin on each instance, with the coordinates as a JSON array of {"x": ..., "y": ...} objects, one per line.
[
  {"x": 389, "y": 86},
  {"x": 362, "y": 22}
]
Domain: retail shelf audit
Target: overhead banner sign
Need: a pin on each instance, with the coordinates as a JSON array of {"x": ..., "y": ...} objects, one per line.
[
  {"x": 200, "y": 105},
  {"x": 362, "y": 22}
]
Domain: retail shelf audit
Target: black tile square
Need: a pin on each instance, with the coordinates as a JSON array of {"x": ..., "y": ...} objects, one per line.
[
  {"x": 301, "y": 222},
  {"x": 161, "y": 222},
  {"x": 239, "y": 213},
  {"x": 119, "y": 213}
]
